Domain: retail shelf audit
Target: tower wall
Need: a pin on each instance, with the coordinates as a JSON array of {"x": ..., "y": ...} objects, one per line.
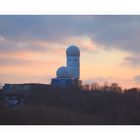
[{"x": 73, "y": 65}]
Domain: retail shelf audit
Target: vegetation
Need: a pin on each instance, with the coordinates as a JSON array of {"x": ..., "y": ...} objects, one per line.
[{"x": 91, "y": 104}]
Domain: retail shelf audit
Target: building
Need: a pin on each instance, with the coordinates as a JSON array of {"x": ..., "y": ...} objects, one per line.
[
  {"x": 24, "y": 88},
  {"x": 69, "y": 76},
  {"x": 73, "y": 61}
]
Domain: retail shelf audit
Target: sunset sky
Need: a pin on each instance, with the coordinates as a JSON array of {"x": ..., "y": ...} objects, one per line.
[{"x": 33, "y": 47}]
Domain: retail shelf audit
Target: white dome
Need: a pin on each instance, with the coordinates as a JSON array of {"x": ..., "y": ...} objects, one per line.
[
  {"x": 73, "y": 51},
  {"x": 62, "y": 72}
]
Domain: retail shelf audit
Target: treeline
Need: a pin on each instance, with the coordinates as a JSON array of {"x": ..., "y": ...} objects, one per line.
[{"x": 90, "y": 104}]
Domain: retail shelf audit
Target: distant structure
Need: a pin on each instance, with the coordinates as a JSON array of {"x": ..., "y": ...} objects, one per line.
[
  {"x": 69, "y": 76},
  {"x": 24, "y": 88},
  {"x": 73, "y": 61}
]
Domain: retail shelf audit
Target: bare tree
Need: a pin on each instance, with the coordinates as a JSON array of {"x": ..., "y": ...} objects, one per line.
[{"x": 95, "y": 86}]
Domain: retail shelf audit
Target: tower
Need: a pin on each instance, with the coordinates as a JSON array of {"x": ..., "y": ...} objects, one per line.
[
  {"x": 69, "y": 76},
  {"x": 73, "y": 61}
]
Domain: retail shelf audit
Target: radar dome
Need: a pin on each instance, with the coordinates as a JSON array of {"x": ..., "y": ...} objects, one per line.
[
  {"x": 73, "y": 51},
  {"x": 62, "y": 72}
]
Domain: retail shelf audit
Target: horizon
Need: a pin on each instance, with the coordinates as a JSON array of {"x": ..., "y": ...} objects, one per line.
[{"x": 33, "y": 47}]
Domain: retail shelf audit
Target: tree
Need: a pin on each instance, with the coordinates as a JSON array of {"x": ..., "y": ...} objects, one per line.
[
  {"x": 95, "y": 86},
  {"x": 116, "y": 88}
]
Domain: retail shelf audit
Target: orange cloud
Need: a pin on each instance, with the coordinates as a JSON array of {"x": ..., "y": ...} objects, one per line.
[{"x": 84, "y": 42}]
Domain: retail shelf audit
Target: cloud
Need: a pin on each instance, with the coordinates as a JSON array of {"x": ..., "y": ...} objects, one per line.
[
  {"x": 16, "y": 61},
  {"x": 132, "y": 60},
  {"x": 18, "y": 46},
  {"x": 121, "y": 32},
  {"x": 86, "y": 44},
  {"x": 42, "y": 46},
  {"x": 24, "y": 78},
  {"x": 50, "y": 28},
  {"x": 12, "y": 61},
  {"x": 137, "y": 79},
  {"x": 2, "y": 38}
]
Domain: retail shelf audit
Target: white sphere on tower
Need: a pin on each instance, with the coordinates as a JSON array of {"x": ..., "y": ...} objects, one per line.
[
  {"x": 73, "y": 61},
  {"x": 62, "y": 72}
]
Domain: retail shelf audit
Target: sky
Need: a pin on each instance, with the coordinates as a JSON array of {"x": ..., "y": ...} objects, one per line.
[{"x": 33, "y": 47}]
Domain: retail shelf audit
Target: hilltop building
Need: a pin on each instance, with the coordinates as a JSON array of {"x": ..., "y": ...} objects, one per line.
[{"x": 70, "y": 75}]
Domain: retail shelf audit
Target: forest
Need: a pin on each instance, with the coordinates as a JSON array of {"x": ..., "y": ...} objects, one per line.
[{"x": 87, "y": 105}]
